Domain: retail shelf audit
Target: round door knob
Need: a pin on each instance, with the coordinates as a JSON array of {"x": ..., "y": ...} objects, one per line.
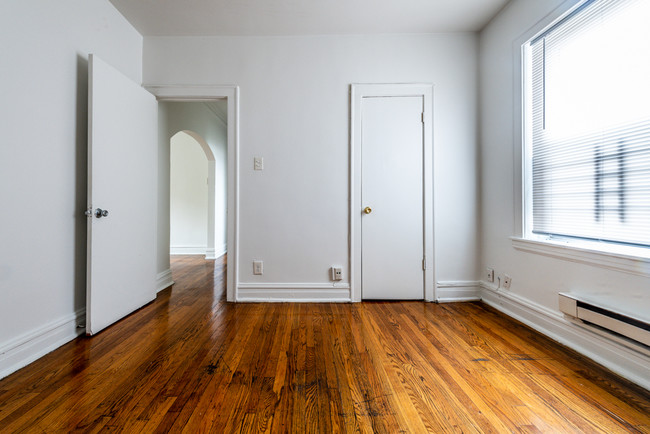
[{"x": 367, "y": 210}]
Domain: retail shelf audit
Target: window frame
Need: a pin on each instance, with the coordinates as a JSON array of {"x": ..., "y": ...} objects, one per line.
[{"x": 628, "y": 259}]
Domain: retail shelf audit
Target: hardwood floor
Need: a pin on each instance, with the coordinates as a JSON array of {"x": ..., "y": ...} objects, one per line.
[{"x": 191, "y": 362}]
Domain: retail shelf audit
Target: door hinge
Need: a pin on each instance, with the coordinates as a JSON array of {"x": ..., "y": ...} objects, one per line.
[
  {"x": 89, "y": 212},
  {"x": 422, "y": 117},
  {"x": 424, "y": 264}
]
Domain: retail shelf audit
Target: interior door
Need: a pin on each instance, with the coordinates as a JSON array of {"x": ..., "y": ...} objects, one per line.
[
  {"x": 122, "y": 161},
  {"x": 392, "y": 227}
]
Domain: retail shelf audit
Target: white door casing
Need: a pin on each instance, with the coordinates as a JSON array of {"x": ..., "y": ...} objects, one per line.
[
  {"x": 409, "y": 95},
  {"x": 122, "y": 170}
]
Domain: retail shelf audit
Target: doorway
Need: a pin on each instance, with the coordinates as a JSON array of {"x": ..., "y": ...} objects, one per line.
[
  {"x": 392, "y": 192},
  {"x": 192, "y": 202},
  {"x": 229, "y": 95}
]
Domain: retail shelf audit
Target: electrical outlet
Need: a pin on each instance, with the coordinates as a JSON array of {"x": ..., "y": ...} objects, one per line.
[
  {"x": 337, "y": 273},
  {"x": 490, "y": 275},
  {"x": 258, "y": 267},
  {"x": 507, "y": 280}
]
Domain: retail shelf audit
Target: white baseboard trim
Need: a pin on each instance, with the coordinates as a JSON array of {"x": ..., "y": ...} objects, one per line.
[
  {"x": 164, "y": 280},
  {"x": 621, "y": 359},
  {"x": 293, "y": 292},
  {"x": 216, "y": 253},
  {"x": 30, "y": 346},
  {"x": 188, "y": 250},
  {"x": 458, "y": 290}
]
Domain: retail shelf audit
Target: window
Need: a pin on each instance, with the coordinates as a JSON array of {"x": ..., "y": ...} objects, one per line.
[{"x": 587, "y": 126}]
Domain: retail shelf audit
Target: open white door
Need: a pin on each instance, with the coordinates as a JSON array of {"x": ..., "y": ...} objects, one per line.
[{"x": 122, "y": 143}]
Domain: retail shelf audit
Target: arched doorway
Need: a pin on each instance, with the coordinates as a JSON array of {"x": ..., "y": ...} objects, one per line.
[{"x": 192, "y": 195}]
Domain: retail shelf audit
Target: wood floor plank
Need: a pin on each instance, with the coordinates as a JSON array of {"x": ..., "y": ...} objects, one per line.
[{"x": 192, "y": 362}]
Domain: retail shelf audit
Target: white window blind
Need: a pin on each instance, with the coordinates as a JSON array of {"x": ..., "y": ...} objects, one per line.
[{"x": 590, "y": 119}]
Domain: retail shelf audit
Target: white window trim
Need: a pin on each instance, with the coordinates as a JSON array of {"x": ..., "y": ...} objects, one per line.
[
  {"x": 582, "y": 253},
  {"x": 627, "y": 259}
]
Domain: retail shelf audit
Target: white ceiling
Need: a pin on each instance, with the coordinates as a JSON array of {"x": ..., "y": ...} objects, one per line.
[{"x": 305, "y": 17}]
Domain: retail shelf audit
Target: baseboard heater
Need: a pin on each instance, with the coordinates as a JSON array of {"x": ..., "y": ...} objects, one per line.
[{"x": 609, "y": 318}]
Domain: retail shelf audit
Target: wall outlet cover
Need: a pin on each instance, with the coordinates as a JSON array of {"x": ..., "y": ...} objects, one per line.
[
  {"x": 490, "y": 275},
  {"x": 337, "y": 273}
]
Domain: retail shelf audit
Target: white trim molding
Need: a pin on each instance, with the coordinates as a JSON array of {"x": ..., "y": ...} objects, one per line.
[
  {"x": 639, "y": 266},
  {"x": 215, "y": 253},
  {"x": 164, "y": 280},
  {"x": 357, "y": 93},
  {"x": 24, "y": 349},
  {"x": 612, "y": 354},
  {"x": 185, "y": 92},
  {"x": 458, "y": 290},
  {"x": 294, "y": 292},
  {"x": 222, "y": 251},
  {"x": 189, "y": 250}
]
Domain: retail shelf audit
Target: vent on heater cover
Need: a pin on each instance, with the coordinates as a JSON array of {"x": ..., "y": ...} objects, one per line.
[{"x": 607, "y": 316}]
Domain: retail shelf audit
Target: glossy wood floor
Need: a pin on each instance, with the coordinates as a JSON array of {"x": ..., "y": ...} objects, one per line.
[{"x": 192, "y": 362}]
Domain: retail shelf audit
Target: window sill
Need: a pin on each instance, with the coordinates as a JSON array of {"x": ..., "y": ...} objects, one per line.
[{"x": 637, "y": 263}]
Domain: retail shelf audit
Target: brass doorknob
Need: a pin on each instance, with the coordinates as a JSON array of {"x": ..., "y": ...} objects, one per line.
[{"x": 367, "y": 210}]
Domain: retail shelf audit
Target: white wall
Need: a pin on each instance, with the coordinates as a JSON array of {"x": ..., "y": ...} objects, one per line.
[
  {"x": 43, "y": 114},
  {"x": 295, "y": 114},
  {"x": 188, "y": 196},
  {"x": 195, "y": 117},
  {"x": 536, "y": 279}
]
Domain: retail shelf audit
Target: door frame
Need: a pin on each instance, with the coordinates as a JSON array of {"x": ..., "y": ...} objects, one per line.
[
  {"x": 189, "y": 93},
  {"x": 357, "y": 93}
]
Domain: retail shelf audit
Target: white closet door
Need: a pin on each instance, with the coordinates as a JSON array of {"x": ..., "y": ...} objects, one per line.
[{"x": 392, "y": 228}]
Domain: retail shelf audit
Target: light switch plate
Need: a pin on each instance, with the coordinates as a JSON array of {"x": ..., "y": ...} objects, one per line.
[{"x": 258, "y": 163}]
